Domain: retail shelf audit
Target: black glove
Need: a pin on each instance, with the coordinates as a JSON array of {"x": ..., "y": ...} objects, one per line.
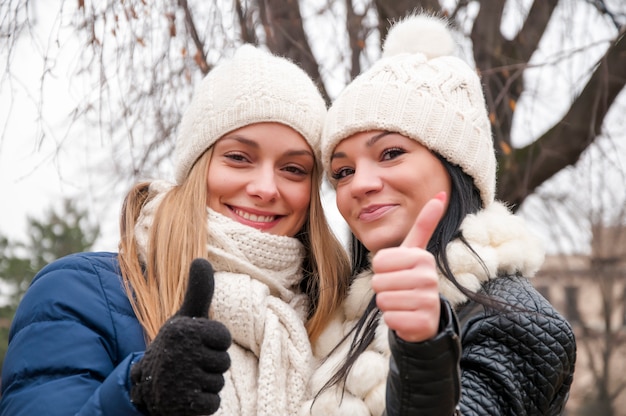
[{"x": 181, "y": 372}]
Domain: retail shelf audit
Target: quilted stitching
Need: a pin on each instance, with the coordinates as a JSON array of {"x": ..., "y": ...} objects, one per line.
[{"x": 516, "y": 362}]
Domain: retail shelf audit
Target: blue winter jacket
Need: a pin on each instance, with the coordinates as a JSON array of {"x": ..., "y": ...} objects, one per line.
[{"x": 72, "y": 342}]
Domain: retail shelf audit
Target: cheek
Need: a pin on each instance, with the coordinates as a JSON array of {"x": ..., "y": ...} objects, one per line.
[
  {"x": 343, "y": 200},
  {"x": 214, "y": 177},
  {"x": 217, "y": 183},
  {"x": 299, "y": 197},
  {"x": 212, "y": 189}
]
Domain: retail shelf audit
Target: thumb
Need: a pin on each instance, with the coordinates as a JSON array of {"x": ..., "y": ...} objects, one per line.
[
  {"x": 199, "y": 290},
  {"x": 426, "y": 222}
]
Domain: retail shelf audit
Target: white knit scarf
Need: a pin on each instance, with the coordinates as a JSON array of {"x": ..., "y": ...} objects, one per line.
[
  {"x": 505, "y": 245},
  {"x": 258, "y": 299}
]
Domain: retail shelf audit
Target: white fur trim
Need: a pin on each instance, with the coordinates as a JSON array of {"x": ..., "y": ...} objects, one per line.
[
  {"x": 375, "y": 399},
  {"x": 332, "y": 404},
  {"x": 504, "y": 244},
  {"x": 359, "y": 296},
  {"x": 333, "y": 332},
  {"x": 368, "y": 371}
]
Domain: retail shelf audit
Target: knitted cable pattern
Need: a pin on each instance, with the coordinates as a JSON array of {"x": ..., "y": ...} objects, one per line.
[{"x": 258, "y": 299}]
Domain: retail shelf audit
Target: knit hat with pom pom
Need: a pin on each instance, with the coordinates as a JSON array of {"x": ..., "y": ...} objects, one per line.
[
  {"x": 418, "y": 90},
  {"x": 253, "y": 86}
]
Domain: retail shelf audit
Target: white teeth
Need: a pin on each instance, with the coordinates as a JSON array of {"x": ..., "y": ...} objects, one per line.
[{"x": 253, "y": 217}]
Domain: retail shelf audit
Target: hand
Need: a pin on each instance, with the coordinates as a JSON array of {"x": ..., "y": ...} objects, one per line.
[
  {"x": 405, "y": 279},
  {"x": 181, "y": 372}
]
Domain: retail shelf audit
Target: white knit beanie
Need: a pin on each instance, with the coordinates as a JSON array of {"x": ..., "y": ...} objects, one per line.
[
  {"x": 253, "y": 86},
  {"x": 419, "y": 91}
]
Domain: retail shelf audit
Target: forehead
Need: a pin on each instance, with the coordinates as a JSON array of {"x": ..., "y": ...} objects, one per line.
[
  {"x": 267, "y": 136},
  {"x": 369, "y": 140}
]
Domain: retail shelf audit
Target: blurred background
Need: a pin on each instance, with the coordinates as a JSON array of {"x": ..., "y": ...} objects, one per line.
[{"x": 91, "y": 94}]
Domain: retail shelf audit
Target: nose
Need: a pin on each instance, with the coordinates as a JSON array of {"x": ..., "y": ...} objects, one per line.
[
  {"x": 365, "y": 181},
  {"x": 263, "y": 185}
]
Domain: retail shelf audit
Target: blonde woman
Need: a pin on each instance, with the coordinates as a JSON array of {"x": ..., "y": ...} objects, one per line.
[{"x": 90, "y": 336}]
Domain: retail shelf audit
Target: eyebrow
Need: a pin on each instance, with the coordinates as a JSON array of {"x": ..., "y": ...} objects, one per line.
[
  {"x": 256, "y": 145},
  {"x": 369, "y": 143},
  {"x": 242, "y": 140}
]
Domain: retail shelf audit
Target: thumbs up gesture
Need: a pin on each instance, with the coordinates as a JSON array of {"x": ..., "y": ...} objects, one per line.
[
  {"x": 405, "y": 279},
  {"x": 181, "y": 372}
]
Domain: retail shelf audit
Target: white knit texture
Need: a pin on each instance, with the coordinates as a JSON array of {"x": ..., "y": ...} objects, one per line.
[
  {"x": 438, "y": 102},
  {"x": 257, "y": 297},
  {"x": 251, "y": 87}
]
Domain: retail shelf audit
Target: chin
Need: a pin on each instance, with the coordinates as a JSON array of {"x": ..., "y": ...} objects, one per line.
[{"x": 378, "y": 241}]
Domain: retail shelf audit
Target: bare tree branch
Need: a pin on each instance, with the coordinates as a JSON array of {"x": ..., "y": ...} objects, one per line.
[
  {"x": 248, "y": 34},
  {"x": 524, "y": 45},
  {"x": 488, "y": 45},
  {"x": 285, "y": 36},
  {"x": 356, "y": 38},
  {"x": 526, "y": 168},
  {"x": 200, "y": 56}
]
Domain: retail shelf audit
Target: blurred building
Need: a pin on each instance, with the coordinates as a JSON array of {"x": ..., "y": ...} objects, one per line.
[{"x": 590, "y": 291}]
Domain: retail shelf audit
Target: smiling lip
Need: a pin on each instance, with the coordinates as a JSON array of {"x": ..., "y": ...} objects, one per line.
[
  {"x": 257, "y": 219},
  {"x": 374, "y": 212}
]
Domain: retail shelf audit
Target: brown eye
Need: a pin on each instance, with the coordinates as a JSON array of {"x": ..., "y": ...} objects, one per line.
[
  {"x": 296, "y": 170},
  {"x": 392, "y": 153},
  {"x": 236, "y": 157},
  {"x": 342, "y": 173}
]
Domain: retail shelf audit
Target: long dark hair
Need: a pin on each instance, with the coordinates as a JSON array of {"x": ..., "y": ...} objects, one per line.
[{"x": 464, "y": 199}]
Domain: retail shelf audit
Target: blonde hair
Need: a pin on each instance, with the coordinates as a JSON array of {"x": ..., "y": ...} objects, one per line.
[
  {"x": 329, "y": 278},
  {"x": 179, "y": 234}
]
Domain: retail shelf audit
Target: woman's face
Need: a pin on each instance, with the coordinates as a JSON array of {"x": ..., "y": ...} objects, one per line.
[
  {"x": 383, "y": 180},
  {"x": 260, "y": 175}
]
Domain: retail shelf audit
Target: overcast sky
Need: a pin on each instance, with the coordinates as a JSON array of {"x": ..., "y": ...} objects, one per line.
[{"x": 36, "y": 170}]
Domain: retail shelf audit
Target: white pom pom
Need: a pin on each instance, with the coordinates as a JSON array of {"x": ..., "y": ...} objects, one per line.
[{"x": 425, "y": 34}]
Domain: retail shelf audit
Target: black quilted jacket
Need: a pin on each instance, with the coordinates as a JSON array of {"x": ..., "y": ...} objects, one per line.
[
  {"x": 424, "y": 377},
  {"x": 518, "y": 362}
]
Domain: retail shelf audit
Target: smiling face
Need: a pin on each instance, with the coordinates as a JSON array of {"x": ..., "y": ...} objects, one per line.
[
  {"x": 261, "y": 176},
  {"x": 382, "y": 181}
]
